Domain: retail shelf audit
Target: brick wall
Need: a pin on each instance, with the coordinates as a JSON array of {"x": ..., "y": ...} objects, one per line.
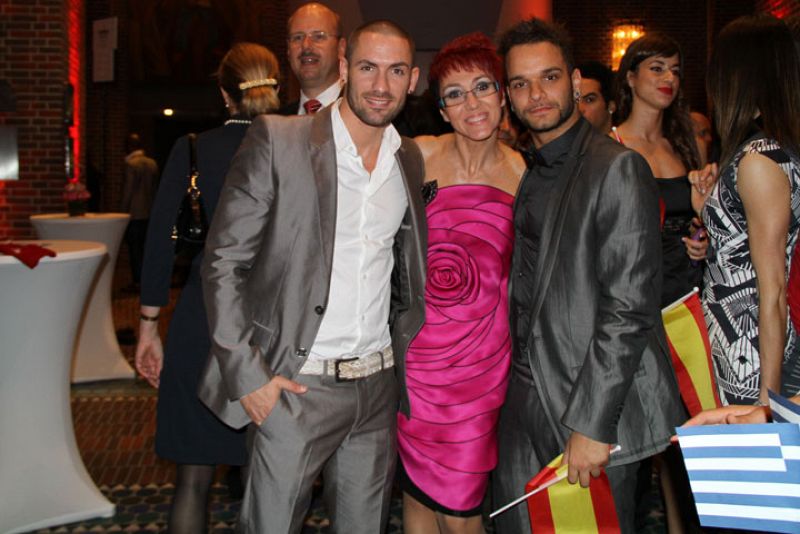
[
  {"x": 133, "y": 102},
  {"x": 33, "y": 60}
]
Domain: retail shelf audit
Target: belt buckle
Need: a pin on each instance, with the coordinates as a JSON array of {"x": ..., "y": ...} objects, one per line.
[{"x": 336, "y": 365}]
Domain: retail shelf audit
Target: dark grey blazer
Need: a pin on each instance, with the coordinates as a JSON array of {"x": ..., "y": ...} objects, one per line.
[
  {"x": 599, "y": 355},
  {"x": 269, "y": 252}
]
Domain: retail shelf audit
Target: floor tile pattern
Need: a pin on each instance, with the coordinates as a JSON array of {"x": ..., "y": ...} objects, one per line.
[{"x": 115, "y": 427}]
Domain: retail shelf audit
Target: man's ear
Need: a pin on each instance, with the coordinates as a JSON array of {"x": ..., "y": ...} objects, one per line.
[
  {"x": 576, "y": 80},
  {"x": 342, "y": 46},
  {"x": 414, "y": 79},
  {"x": 343, "y": 68},
  {"x": 612, "y": 106}
]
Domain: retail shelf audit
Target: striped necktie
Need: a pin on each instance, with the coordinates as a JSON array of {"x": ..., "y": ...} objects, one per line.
[{"x": 312, "y": 106}]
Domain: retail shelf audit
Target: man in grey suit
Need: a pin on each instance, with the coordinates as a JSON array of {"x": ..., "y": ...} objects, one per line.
[
  {"x": 591, "y": 368},
  {"x": 318, "y": 213}
]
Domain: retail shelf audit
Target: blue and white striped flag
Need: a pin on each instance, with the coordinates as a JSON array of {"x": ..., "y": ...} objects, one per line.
[
  {"x": 745, "y": 476},
  {"x": 783, "y": 410}
]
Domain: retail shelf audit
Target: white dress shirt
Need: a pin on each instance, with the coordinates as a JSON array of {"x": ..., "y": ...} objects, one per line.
[
  {"x": 369, "y": 210},
  {"x": 326, "y": 97}
]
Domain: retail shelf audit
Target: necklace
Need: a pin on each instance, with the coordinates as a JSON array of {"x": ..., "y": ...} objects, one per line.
[{"x": 237, "y": 121}]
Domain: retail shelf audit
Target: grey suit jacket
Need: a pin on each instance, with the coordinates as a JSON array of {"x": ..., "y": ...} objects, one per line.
[
  {"x": 269, "y": 252},
  {"x": 598, "y": 350}
]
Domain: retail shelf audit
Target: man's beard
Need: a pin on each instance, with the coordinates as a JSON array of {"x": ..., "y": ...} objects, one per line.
[
  {"x": 564, "y": 115},
  {"x": 372, "y": 118}
]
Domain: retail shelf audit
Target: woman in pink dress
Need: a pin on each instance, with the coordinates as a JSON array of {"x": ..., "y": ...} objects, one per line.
[{"x": 457, "y": 366}]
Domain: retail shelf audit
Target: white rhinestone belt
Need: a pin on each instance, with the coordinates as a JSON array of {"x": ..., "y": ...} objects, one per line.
[{"x": 351, "y": 368}]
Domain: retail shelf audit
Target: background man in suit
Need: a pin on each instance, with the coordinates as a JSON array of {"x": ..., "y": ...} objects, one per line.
[
  {"x": 138, "y": 192},
  {"x": 297, "y": 275},
  {"x": 591, "y": 367},
  {"x": 315, "y": 43}
]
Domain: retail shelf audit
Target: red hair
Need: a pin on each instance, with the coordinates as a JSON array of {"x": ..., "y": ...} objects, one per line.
[{"x": 471, "y": 51}]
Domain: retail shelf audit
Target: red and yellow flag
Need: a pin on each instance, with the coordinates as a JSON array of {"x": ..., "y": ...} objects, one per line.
[
  {"x": 569, "y": 508},
  {"x": 690, "y": 348}
]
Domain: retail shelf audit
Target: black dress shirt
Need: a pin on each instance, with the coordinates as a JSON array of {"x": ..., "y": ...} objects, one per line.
[{"x": 529, "y": 217}]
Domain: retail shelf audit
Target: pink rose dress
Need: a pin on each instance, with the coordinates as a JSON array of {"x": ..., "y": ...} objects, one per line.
[{"x": 458, "y": 364}]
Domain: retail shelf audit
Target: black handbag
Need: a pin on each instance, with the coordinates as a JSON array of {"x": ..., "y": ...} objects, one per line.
[{"x": 191, "y": 224}]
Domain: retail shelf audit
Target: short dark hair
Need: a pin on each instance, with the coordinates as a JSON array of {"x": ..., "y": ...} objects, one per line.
[
  {"x": 594, "y": 70},
  {"x": 382, "y": 27},
  {"x": 534, "y": 31}
]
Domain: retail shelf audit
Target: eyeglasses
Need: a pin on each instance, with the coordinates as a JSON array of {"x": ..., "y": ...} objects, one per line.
[
  {"x": 456, "y": 97},
  {"x": 317, "y": 37}
]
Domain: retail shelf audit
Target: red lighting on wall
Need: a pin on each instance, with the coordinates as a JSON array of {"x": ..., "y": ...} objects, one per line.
[
  {"x": 74, "y": 70},
  {"x": 778, "y": 8}
]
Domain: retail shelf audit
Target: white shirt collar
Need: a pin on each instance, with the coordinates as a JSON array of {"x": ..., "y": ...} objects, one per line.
[
  {"x": 326, "y": 97},
  {"x": 341, "y": 135}
]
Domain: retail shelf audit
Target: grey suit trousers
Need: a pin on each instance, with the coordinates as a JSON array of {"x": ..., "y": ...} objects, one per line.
[
  {"x": 526, "y": 445},
  {"x": 344, "y": 430}
]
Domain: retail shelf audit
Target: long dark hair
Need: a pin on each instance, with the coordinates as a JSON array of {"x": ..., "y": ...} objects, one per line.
[
  {"x": 754, "y": 70},
  {"x": 677, "y": 124}
]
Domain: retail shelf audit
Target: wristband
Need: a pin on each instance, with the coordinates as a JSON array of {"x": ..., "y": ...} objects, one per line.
[{"x": 144, "y": 317}]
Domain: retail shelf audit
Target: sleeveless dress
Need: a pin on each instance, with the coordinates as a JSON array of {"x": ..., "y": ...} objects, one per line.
[
  {"x": 730, "y": 295},
  {"x": 681, "y": 274},
  {"x": 458, "y": 364}
]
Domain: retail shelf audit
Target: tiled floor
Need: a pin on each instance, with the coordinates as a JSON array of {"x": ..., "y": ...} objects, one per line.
[{"x": 115, "y": 426}]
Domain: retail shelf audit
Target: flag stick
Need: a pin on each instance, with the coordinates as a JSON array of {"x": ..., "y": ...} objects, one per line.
[
  {"x": 515, "y": 502},
  {"x": 665, "y": 309},
  {"x": 546, "y": 485}
]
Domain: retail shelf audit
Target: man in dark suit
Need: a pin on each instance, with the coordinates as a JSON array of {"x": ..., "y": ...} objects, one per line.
[
  {"x": 317, "y": 215},
  {"x": 591, "y": 368},
  {"x": 314, "y": 44}
]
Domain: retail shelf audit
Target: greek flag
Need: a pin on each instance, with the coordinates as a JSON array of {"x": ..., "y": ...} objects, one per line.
[
  {"x": 783, "y": 410},
  {"x": 745, "y": 476}
]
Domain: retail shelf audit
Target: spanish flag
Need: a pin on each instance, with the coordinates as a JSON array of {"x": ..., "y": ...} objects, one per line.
[
  {"x": 690, "y": 348},
  {"x": 561, "y": 507}
]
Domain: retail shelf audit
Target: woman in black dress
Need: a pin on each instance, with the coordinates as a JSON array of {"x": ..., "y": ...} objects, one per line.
[
  {"x": 654, "y": 121},
  {"x": 187, "y": 433}
]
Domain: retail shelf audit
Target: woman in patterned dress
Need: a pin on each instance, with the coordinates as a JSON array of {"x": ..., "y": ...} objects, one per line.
[{"x": 753, "y": 213}]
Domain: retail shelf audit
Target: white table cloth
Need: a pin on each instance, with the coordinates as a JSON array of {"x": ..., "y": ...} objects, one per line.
[
  {"x": 97, "y": 354},
  {"x": 43, "y": 481}
]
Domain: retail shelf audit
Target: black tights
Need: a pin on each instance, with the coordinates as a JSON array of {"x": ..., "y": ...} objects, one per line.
[{"x": 189, "y": 511}]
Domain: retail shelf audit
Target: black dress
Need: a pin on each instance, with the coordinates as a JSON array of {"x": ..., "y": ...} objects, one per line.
[
  {"x": 186, "y": 431},
  {"x": 681, "y": 274}
]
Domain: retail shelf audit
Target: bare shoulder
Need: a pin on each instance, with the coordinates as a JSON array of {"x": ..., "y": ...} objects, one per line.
[
  {"x": 761, "y": 178},
  {"x": 515, "y": 159},
  {"x": 429, "y": 145}
]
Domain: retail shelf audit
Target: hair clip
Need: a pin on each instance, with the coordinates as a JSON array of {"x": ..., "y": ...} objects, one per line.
[{"x": 257, "y": 83}]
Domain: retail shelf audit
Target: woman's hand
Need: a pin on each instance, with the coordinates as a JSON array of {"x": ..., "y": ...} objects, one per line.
[
  {"x": 697, "y": 244},
  {"x": 703, "y": 182},
  {"x": 149, "y": 350}
]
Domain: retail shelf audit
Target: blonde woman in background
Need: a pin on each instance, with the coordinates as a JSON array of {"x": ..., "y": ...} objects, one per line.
[{"x": 187, "y": 432}]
